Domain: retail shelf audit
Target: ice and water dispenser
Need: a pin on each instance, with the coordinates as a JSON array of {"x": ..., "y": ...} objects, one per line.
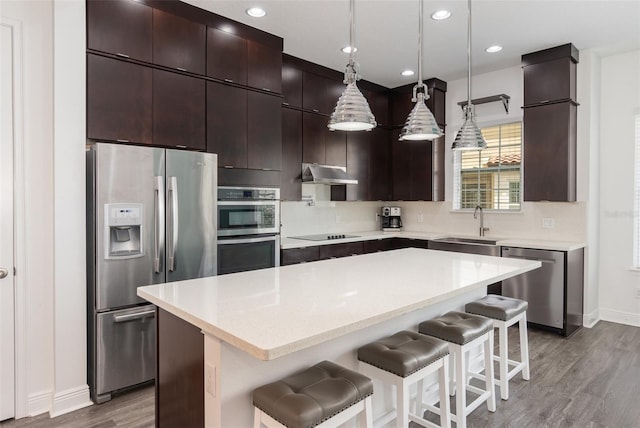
[{"x": 123, "y": 229}]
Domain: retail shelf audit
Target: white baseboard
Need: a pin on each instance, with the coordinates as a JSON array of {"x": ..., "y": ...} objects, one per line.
[
  {"x": 38, "y": 403},
  {"x": 591, "y": 319},
  {"x": 620, "y": 317},
  {"x": 70, "y": 400}
]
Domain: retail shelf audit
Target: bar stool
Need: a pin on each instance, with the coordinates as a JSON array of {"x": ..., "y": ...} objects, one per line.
[
  {"x": 324, "y": 395},
  {"x": 505, "y": 312},
  {"x": 403, "y": 359},
  {"x": 463, "y": 332}
]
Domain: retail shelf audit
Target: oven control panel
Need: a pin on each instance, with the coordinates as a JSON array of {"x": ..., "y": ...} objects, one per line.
[{"x": 247, "y": 193}]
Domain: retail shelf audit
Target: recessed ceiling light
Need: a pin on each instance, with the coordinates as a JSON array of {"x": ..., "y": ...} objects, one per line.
[
  {"x": 439, "y": 15},
  {"x": 408, "y": 73},
  {"x": 347, "y": 49},
  {"x": 494, "y": 48},
  {"x": 256, "y": 12}
]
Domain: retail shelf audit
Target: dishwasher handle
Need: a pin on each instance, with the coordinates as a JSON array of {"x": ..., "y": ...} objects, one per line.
[{"x": 534, "y": 259}]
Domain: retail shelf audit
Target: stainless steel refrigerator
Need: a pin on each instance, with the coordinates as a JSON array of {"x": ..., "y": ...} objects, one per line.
[{"x": 151, "y": 218}]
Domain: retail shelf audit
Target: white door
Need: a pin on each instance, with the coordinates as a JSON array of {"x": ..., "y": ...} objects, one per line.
[{"x": 7, "y": 364}]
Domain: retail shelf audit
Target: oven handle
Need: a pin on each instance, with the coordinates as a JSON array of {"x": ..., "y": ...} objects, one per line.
[
  {"x": 267, "y": 202},
  {"x": 248, "y": 240}
]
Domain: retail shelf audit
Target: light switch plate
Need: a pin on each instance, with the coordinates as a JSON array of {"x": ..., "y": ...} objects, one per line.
[
  {"x": 548, "y": 223},
  {"x": 210, "y": 379}
]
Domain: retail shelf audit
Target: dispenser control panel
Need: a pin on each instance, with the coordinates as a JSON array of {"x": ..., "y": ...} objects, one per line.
[{"x": 123, "y": 231}]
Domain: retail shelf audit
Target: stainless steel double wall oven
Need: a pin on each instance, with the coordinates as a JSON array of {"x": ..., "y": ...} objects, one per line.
[{"x": 248, "y": 228}]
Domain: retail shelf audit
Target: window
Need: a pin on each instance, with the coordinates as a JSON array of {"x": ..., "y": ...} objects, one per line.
[
  {"x": 491, "y": 177},
  {"x": 636, "y": 205}
]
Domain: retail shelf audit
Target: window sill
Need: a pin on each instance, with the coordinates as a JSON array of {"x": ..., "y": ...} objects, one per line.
[
  {"x": 470, "y": 211},
  {"x": 635, "y": 270}
]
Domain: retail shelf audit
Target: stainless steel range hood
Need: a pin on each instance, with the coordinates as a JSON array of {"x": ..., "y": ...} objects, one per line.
[{"x": 326, "y": 174}]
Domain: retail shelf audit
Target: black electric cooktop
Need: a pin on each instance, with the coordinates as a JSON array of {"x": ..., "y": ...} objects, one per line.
[{"x": 323, "y": 237}]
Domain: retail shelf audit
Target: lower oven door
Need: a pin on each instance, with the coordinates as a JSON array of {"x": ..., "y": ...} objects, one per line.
[
  {"x": 241, "y": 254},
  {"x": 126, "y": 346}
]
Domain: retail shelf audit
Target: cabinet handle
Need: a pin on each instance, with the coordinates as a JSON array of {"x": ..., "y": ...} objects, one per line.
[
  {"x": 228, "y": 166},
  {"x": 285, "y": 104},
  {"x": 181, "y": 69},
  {"x": 122, "y": 55},
  {"x": 315, "y": 110},
  {"x": 266, "y": 89},
  {"x": 180, "y": 146},
  {"x": 228, "y": 80},
  {"x": 544, "y": 101},
  {"x": 122, "y": 141}
]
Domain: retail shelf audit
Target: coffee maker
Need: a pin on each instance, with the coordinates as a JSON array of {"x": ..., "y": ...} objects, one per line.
[{"x": 391, "y": 220}]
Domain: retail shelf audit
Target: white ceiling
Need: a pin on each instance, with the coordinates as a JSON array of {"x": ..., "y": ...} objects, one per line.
[{"x": 386, "y": 31}]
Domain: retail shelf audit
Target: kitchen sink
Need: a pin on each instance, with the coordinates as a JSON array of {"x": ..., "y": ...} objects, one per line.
[
  {"x": 486, "y": 247},
  {"x": 480, "y": 241}
]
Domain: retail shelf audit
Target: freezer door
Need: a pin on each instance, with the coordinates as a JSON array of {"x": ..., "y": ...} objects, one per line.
[
  {"x": 125, "y": 177},
  {"x": 191, "y": 247},
  {"x": 126, "y": 345},
  {"x": 543, "y": 288}
]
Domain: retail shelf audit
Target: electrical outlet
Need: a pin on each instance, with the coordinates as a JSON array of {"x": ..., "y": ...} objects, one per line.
[
  {"x": 337, "y": 218},
  {"x": 548, "y": 223},
  {"x": 420, "y": 218},
  {"x": 210, "y": 379}
]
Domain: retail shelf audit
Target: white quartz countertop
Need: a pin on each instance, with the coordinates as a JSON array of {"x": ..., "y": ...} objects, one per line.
[
  {"x": 273, "y": 312},
  {"x": 539, "y": 244}
]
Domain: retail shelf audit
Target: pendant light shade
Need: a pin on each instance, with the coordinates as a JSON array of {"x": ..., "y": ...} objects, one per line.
[
  {"x": 352, "y": 112},
  {"x": 420, "y": 125},
  {"x": 469, "y": 136}
]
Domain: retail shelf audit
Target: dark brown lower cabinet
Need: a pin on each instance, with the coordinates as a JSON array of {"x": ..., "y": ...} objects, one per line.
[
  {"x": 292, "y": 256},
  {"x": 119, "y": 100},
  {"x": 340, "y": 250},
  {"x": 179, "y": 373},
  {"x": 178, "y": 110},
  {"x": 550, "y": 152}
]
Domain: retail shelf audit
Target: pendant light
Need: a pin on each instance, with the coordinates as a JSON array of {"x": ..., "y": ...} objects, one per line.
[
  {"x": 420, "y": 125},
  {"x": 352, "y": 112},
  {"x": 469, "y": 136}
]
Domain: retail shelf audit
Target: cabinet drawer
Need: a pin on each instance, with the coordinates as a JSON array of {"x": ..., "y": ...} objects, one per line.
[
  {"x": 340, "y": 250},
  {"x": 299, "y": 255}
]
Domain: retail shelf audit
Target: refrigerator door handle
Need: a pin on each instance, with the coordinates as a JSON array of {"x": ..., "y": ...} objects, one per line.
[
  {"x": 158, "y": 227},
  {"x": 132, "y": 317},
  {"x": 173, "y": 192}
]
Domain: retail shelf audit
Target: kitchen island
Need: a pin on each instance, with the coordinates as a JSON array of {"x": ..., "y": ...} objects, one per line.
[{"x": 262, "y": 325}]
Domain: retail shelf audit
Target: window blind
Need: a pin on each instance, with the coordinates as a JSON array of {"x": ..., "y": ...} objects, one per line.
[{"x": 636, "y": 204}]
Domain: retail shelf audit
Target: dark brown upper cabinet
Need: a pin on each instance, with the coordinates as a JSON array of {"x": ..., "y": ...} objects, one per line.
[
  {"x": 550, "y": 75},
  {"x": 358, "y": 152},
  {"x": 291, "y": 85},
  {"x": 227, "y": 56},
  {"x": 178, "y": 110},
  {"x": 227, "y": 124},
  {"x": 319, "y": 93},
  {"x": 291, "y": 183},
  {"x": 178, "y": 43},
  {"x": 121, "y": 27},
  {"x": 264, "y": 135},
  {"x": 319, "y": 144},
  {"x": 265, "y": 67},
  {"x": 412, "y": 169},
  {"x": 379, "y": 165},
  {"x": 379, "y": 104},
  {"x": 550, "y": 152},
  {"x": 119, "y": 100}
]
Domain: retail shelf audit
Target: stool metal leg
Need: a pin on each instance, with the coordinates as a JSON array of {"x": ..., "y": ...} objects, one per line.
[
  {"x": 524, "y": 346},
  {"x": 504, "y": 359}
]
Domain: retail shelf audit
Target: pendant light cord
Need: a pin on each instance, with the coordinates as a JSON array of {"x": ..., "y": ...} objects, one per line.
[
  {"x": 469, "y": 58},
  {"x": 420, "y": 13},
  {"x": 352, "y": 33}
]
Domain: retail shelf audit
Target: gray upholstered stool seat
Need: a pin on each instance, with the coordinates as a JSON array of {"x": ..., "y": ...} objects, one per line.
[
  {"x": 404, "y": 353},
  {"x": 465, "y": 332},
  {"x": 456, "y": 327},
  {"x": 404, "y": 359},
  {"x": 497, "y": 307},
  {"x": 309, "y": 397},
  {"x": 505, "y": 312}
]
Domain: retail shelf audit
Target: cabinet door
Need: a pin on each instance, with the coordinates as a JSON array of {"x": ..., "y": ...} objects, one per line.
[
  {"x": 178, "y": 43},
  {"x": 264, "y": 134},
  {"x": 178, "y": 110},
  {"x": 291, "y": 85},
  {"x": 314, "y": 92},
  {"x": 549, "y": 81},
  {"x": 119, "y": 96},
  {"x": 340, "y": 250},
  {"x": 400, "y": 167},
  {"x": 379, "y": 165},
  {"x": 421, "y": 167},
  {"x": 122, "y": 27},
  {"x": 265, "y": 67},
  {"x": 335, "y": 143},
  {"x": 299, "y": 255},
  {"x": 313, "y": 134},
  {"x": 436, "y": 104},
  {"x": 227, "y": 124},
  {"x": 401, "y": 106},
  {"x": 379, "y": 103},
  {"x": 358, "y": 144},
  {"x": 226, "y": 56},
  {"x": 291, "y": 184},
  {"x": 550, "y": 152}
]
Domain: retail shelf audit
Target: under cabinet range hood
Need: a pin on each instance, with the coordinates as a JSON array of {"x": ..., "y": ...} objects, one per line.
[{"x": 326, "y": 174}]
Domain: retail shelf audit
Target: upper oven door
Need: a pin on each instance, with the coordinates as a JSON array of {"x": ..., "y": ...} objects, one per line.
[{"x": 248, "y": 217}]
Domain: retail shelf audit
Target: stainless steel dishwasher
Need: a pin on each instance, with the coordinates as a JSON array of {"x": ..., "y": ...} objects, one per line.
[{"x": 543, "y": 288}]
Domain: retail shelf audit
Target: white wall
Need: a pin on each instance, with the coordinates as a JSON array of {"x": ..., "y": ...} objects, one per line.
[
  {"x": 620, "y": 101},
  {"x": 54, "y": 375}
]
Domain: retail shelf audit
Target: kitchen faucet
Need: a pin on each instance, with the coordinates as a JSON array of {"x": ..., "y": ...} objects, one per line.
[{"x": 475, "y": 215}]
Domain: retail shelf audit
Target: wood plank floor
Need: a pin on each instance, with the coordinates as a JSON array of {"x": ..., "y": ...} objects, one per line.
[{"x": 591, "y": 380}]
